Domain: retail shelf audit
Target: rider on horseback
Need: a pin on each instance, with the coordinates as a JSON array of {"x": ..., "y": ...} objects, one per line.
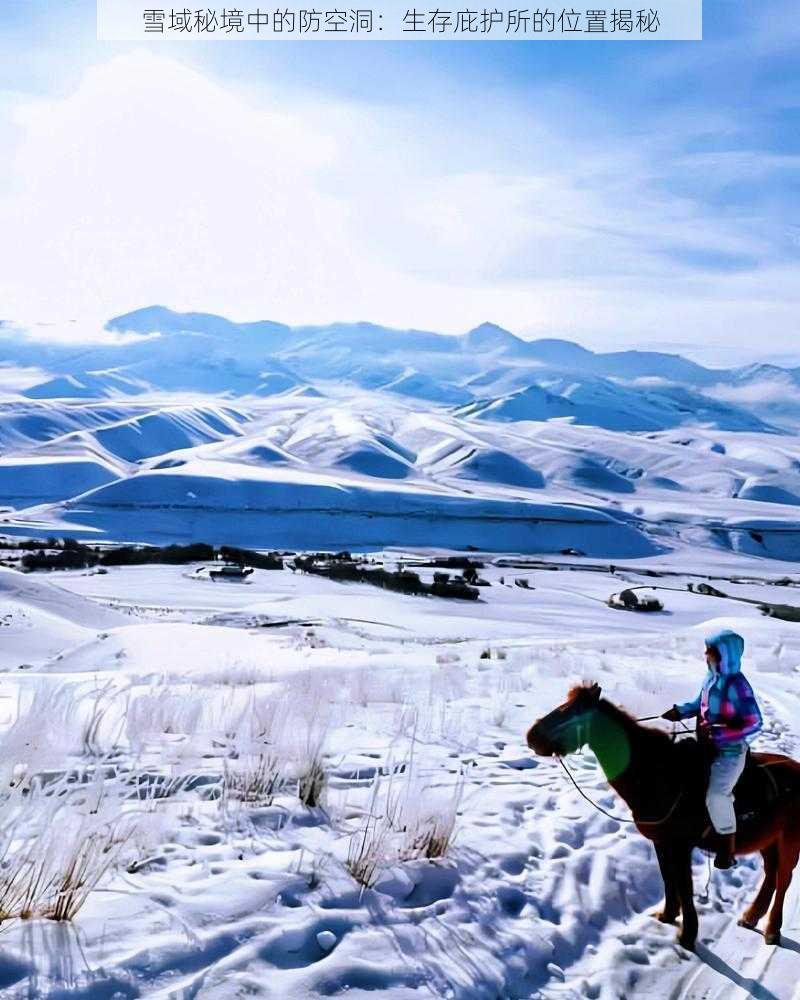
[{"x": 727, "y": 717}]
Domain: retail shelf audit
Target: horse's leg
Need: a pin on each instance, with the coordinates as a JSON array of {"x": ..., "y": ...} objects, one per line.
[
  {"x": 787, "y": 859},
  {"x": 682, "y": 860},
  {"x": 672, "y": 904},
  {"x": 760, "y": 904}
]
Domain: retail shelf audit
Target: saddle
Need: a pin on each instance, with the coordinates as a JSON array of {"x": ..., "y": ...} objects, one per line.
[{"x": 756, "y": 791}]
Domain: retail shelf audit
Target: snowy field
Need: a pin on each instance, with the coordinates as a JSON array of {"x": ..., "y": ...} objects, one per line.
[
  {"x": 160, "y": 734},
  {"x": 297, "y": 788}
]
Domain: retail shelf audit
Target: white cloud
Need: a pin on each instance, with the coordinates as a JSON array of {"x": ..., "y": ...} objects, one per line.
[
  {"x": 151, "y": 182},
  {"x": 774, "y": 390},
  {"x": 14, "y": 379}
]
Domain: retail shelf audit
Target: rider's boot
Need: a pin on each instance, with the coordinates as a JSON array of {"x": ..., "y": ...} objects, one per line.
[{"x": 726, "y": 845}]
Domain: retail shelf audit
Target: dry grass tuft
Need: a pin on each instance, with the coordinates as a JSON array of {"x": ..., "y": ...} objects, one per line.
[
  {"x": 367, "y": 854},
  {"x": 76, "y": 842},
  {"x": 254, "y": 779},
  {"x": 429, "y": 827},
  {"x": 312, "y": 783}
]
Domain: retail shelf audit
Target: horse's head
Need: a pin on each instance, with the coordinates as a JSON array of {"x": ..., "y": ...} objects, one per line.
[{"x": 566, "y": 728}]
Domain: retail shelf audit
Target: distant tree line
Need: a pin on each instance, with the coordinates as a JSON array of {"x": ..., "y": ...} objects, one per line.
[
  {"x": 71, "y": 554},
  {"x": 342, "y": 568},
  {"x": 454, "y": 562},
  {"x": 68, "y": 553}
]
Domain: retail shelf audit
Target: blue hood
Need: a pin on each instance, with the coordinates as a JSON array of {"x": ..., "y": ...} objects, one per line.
[{"x": 731, "y": 647}]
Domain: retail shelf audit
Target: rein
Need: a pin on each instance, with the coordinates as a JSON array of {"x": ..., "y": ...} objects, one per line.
[
  {"x": 651, "y": 718},
  {"x": 605, "y": 812},
  {"x": 620, "y": 819},
  {"x": 624, "y": 819},
  {"x": 680, "y": 722}
]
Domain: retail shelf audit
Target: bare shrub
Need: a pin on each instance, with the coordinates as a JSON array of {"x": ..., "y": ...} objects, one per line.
[
  {"x": 255, "y": 779},
  {"x": 408, "y": 817},
  {"x": 162, "y": 711},
  {"x": 499, "y": 689},
  {"x": 448, "y": 681},
  {"x": 429, "y": 819},
  {"x": 101, "y": 703},
  {"x": 238, "y": 672},
  {"x": 57, "y": 848},
  {"x": 366, "y": 855},
  {"x": 314, "y": 873},
  {"x": 82, "y": 866},
  {"x": 256, "y": 768},
  {"x": 456, "y": 726},
  {"x": 310, "y": 715},
  {"x": 311, "y": 783},
  {"x": 364, "y": 686},
  {"x": 265, "y": 718},
  {"x": 498, "y": 708},
  {"x": 243, "y": 721},
  {"x": 43, "y": 733},
  {"x": 403, "y": 822},
  {"x": 369, "y": 850}
]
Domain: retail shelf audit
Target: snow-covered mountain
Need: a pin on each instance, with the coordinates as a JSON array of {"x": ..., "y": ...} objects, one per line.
[
  {"x": 354, "y": 434},
  {"x": 201, "y": 352}
]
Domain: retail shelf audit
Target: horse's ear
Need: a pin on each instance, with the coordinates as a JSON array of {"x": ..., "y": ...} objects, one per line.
[{"x": 595, "y": 691}]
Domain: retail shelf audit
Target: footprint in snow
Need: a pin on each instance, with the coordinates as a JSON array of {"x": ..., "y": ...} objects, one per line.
[
  {"x": 520, "y": 763},
  {"x": 572, "y": 836},
  {"x": 208, "y": 839},
  {"x": 514, "y": 864},
  {"x": 298, "y": 947},
  {"x": 511, "y": 899}
]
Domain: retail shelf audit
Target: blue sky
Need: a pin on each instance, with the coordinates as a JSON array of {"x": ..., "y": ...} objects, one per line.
[{"x": 618, "y": 194}]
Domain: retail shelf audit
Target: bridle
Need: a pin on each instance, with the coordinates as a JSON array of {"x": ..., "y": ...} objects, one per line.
[{"x": 618, "y": 819}]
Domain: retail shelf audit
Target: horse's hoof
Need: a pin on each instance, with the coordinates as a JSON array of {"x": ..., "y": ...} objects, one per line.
[
  {"x": 666, "y": 918},
  {"x": 749, "y": 924},
  {"x": 686, "y": 942},
  {"x": 772, "y": 937}
]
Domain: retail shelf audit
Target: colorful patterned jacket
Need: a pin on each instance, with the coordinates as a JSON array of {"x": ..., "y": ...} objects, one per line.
[{"x": 726, "y": 708}]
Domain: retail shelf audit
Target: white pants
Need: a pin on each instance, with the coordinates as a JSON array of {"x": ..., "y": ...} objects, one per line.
[{"x": 725, "y": 772}]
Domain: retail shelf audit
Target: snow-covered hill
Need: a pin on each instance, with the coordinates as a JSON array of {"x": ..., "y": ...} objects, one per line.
[{"x": 355, "y": 434}]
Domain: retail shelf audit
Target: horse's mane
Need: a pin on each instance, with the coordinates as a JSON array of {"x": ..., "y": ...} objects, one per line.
[{"x": 578, "y": 689}]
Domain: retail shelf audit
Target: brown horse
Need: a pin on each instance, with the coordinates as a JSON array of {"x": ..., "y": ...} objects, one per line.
[{"x": 664, "y": 785}]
